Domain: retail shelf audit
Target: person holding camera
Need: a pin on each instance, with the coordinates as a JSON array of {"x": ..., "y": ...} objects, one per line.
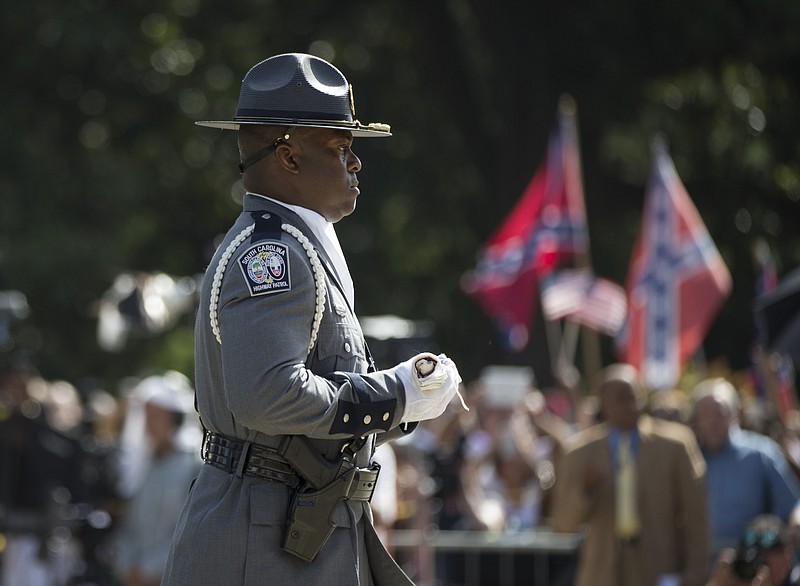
[{"x": 765, "y": 557}]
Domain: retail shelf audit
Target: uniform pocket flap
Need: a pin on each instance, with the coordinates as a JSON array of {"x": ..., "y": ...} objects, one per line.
[{"x": 343, "y": 341}]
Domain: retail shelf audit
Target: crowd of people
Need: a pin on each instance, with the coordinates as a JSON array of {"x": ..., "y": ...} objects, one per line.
[
  {"x": 709, "y": 461},
  {"x": 92, "y": 485}
]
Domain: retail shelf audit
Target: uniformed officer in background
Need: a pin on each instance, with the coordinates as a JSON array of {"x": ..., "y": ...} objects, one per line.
[{"x": 286, "y": 388}]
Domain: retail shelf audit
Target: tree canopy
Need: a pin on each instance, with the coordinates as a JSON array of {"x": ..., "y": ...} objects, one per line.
[{"x": 104, "y": 171}]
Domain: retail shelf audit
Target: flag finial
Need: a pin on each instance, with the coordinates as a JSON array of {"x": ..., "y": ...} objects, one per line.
[
  {"x": 659, "y": 144},
  {"x": 567, "y": 105}
]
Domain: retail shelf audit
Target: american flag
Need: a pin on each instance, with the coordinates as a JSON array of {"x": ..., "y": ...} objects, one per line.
[
  {"x": 579, "y": 295},
  {"x": 546, "y": 228},
  {"x": 677, "y": 280}
]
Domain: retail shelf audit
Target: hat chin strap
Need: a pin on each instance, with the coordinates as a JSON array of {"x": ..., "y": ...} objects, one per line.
[{"x": 261, "y": 153}]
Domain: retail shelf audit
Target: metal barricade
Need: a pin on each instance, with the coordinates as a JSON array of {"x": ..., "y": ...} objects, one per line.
[{"x": 476, "y": 558}]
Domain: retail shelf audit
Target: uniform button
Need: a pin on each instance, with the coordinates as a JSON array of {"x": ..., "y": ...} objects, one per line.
[
  {"x": 346, "y": 417},
  {"x": 367, "y": 419},
  {"x": 386, "y": 416},
  {"x": 347, "y": 346}
]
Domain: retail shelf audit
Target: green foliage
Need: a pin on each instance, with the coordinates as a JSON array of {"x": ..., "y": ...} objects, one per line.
[{"x": 103, "y": 170}]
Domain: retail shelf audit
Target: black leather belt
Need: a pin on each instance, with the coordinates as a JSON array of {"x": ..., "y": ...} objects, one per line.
[{"x": 225, "y": 453}]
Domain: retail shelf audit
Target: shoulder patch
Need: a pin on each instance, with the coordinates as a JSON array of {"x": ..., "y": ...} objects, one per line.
[{"x": 265, "y": 267}]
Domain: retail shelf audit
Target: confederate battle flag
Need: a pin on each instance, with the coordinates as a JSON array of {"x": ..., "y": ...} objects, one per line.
[
  {"x": 546, "y": 227},
  {"x": 677, "y": 280}
]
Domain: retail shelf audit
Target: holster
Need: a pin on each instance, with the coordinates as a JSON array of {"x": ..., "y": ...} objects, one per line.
[
  {"x": 309, "y": 525},
  {"x": 308, "y": 520}
]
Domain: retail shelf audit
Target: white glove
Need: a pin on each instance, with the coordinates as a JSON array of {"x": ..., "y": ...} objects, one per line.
[{"x": 430, "y": 382}]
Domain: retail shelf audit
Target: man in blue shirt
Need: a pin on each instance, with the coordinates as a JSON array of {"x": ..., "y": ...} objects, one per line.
[{"x": 747, "y": 474}]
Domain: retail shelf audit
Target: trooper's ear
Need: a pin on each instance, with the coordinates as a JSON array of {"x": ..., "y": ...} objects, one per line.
[{"x": 288, "y": 157}]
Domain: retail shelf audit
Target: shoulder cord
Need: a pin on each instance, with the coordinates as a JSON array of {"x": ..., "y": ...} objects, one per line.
[{"x": 316, "y": 267}]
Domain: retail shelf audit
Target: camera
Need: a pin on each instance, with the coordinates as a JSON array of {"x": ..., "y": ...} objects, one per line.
[{"x": 747, "y": 562}]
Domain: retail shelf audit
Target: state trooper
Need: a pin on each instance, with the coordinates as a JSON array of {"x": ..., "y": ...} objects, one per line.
[{"x": 287, "y": 392}]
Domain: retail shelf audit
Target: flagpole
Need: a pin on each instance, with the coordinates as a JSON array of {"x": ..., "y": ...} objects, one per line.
[
  {"x": 570, "y": 340},
  {"x": 553, "y": 328},
  {"x": 590, "y": 344},
  {"x": 555, "y": 344}
]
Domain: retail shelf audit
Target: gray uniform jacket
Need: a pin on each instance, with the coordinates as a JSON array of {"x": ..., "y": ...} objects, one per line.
[{"x": 259, "y": 381}]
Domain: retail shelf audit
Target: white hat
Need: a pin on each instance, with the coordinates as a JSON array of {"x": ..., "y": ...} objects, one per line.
[{"x": 171, "y": 391}]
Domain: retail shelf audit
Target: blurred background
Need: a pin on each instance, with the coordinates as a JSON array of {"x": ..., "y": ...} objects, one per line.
[{"x": 111, "y": 199}]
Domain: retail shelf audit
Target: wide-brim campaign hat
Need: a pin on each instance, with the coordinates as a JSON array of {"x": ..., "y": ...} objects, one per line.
[{"x": 295, "y": 89}]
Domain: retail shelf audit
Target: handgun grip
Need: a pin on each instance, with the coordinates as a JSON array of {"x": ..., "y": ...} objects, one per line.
[{"x": 313, "y": 467}]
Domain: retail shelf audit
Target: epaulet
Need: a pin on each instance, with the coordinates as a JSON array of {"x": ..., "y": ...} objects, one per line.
[{"x": 265, "y": 265}]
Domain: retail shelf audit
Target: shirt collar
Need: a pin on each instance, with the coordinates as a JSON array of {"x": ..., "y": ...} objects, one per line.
[
  {"x": 326, "y": 235},
  {"x": 315, "y": 220},
  {"x": 615, "y": 434}
]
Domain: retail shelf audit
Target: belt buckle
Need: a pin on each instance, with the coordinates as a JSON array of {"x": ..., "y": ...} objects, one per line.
[{"x": 205, "y": 448}]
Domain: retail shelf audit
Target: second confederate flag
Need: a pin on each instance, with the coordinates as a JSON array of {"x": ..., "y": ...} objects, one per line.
[
  {"x": 677, "y": 280},
  {"x": 546, "y": 227}
]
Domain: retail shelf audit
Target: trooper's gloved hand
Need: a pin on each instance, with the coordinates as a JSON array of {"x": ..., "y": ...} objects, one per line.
[{"x": 430, "y": 382}]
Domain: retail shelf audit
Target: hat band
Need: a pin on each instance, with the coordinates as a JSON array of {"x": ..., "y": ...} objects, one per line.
[{"x": 255, "y": 114}]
